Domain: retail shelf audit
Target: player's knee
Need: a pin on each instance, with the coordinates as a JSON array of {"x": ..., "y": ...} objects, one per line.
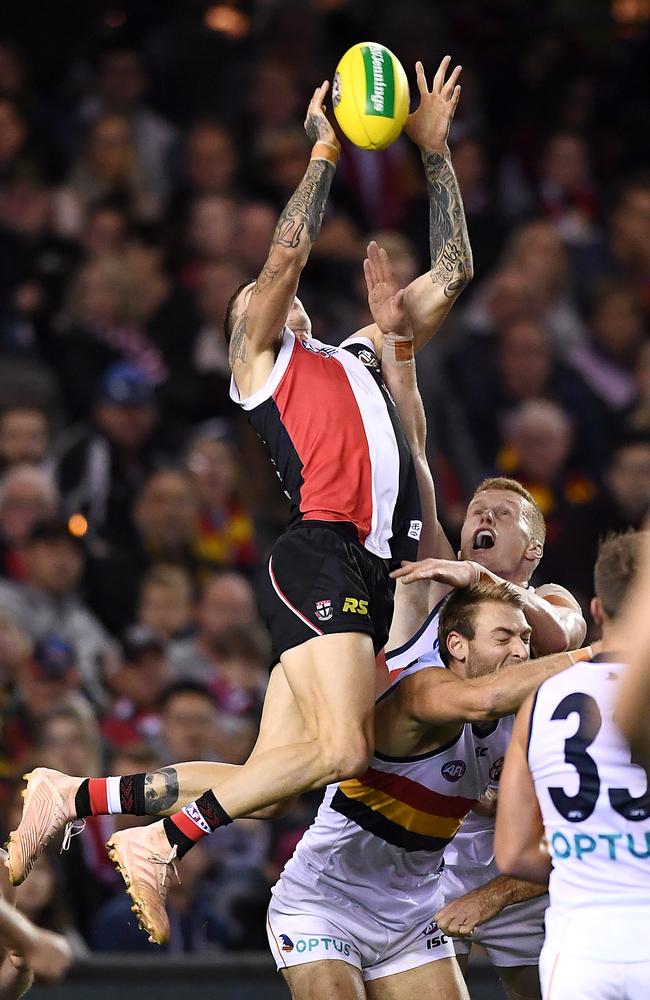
[{"x": 348, "y": 756}]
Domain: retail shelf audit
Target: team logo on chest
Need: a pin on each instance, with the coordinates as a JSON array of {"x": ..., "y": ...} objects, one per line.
[{"x": 324, "y": 610}]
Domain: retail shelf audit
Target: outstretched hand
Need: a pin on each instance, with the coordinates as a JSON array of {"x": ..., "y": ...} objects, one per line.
[
  {"x": 456, "y": 574},
  {"x": 385, "y": 299},
  {"x": 317, "y": 126},
  {"x": 428, "y": 126}
]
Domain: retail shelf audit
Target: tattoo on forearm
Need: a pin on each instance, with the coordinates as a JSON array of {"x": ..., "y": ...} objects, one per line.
[
  {"x": 304, "y": 211},
  {"x": 451, "y": 254},
  {"x": 160, "y": 790}
]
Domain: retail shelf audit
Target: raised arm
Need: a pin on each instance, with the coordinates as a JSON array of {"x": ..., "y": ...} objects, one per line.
[
  {"x": 430, "y": 297},
  {"x": 386, "y": 303},
  {"x": 633, "y": 709},
  {"x": 551, "y": 611},
  {"x": 257, "y": 329}
]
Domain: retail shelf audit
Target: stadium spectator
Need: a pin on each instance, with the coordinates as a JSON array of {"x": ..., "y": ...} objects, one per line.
[
  {"x": 137, "y": 685},
  {"x": 100, "y": 329},
  {"x": 49, "y": 680},
  {"x": 121, "y": 86},
  {"x": 165, "y": 603},
  {"x": 102, "y": 465},
  {"x": 225, "y": 535},
  {"x": 227, "y": 601},
  {"x": 537, "y": 447},
  {"x": 27, "y": 495},
  {"x": 190, "y": 720},
  {"x": 24, "y": 436},
  {"x": 46, "y": 601},
  {"x": 621, "y": 504},
  {"x": 617, "y": 330}
]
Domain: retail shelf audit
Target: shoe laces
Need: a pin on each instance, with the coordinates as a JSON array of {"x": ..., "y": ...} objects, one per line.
[
  {"x": 167, "y": 863},
  {"x": 72, "y": 829}
]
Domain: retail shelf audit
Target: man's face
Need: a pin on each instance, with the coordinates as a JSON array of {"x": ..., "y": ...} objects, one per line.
[
  {"x": 54, "y": 564},
  {"x": 23, "y": 436},
  {"x": 189, "y": 726},
  {"x": 496, "y": 534},
  {"x": 226, "y": 601},
  {"x": 166, "y": 509},
  {"x": 628, "y": 479},
  {"x": 524, "y": 359},
  {"x": 23, "y": 503},
  {"x": 501, "y": 639},
  {"x": 127, "y": 425}
]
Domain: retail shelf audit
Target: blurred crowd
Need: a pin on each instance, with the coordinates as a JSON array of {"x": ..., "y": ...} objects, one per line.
[{"x": 145, "y": 152}]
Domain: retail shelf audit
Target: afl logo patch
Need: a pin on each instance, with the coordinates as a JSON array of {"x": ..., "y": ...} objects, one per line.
[
  {"x": 453, "y": 770},
  {"x": 496, "y": 769}
]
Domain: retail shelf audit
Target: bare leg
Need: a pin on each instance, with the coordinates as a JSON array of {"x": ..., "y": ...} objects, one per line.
[
  {"x": 170, "y": 788},
  {"x": 521, "y": 982},
  {"x": 441, "y": 980},
  {"x": 331, "y": 980},
  {"x": 332, "y": 679}
]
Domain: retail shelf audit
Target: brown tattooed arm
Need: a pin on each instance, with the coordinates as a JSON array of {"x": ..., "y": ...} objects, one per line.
[
  {"x": 297, "y": 229},
  {"x": 430, "y": 297}
]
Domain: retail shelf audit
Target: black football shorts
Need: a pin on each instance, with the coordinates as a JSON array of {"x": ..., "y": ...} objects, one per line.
[{"x": 319, "y": 580}]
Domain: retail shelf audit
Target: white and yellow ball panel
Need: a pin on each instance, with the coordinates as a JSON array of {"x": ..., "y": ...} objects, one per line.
[{"x": 370, "y": 95}]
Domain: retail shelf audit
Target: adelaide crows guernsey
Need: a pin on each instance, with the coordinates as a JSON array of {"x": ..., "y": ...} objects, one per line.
[
  {"x": 595, "y": 805},
  {"x": 379, "y": 839},
  {"x": 335, "y": 440}
]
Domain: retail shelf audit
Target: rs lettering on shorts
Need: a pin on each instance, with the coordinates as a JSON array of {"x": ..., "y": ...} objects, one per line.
[{"x": 354, "y": 606}]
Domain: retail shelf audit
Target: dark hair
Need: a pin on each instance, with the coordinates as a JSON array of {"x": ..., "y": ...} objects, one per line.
[
  {"x": 616, "y": 565},
  {"x": 185, "y": 687},
  {"x": 458, "y": 613},
  {"x": 228, "y": 322}
]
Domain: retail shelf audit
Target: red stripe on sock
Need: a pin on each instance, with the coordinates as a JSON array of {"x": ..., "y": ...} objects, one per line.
[
  {"x": 187, "y": 826},
  {"x": 98, "y": 796}
]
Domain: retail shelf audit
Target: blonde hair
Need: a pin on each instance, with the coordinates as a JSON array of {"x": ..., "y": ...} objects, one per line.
[{"x": 534, "y": 512}]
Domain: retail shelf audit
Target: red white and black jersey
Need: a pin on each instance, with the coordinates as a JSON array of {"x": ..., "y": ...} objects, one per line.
[{"x": 334, "y": 437}]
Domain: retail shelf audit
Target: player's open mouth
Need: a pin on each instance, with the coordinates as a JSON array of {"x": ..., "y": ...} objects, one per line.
[{"x": 484, "y": 538}]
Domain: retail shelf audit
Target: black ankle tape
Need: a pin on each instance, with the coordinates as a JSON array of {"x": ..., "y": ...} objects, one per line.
[
  {"x": 82, "y": 800},
  {"x": 177, "y": 838},
  {"x": 132, "y": 794}
]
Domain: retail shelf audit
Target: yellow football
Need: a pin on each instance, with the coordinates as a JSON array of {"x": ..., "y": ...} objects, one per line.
[{"x": 370, "y": 95}]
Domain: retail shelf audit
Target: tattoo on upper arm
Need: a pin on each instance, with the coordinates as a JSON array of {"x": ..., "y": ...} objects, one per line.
[
  {"x": 451, "y": 254},
  {"x": 160, "y": 791},
  {"x": 238, "y": 350},
  {"x": 304, "y": 211}
]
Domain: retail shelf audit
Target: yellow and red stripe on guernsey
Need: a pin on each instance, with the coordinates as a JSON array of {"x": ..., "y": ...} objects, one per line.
[{"x": 401, "y": 811}]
